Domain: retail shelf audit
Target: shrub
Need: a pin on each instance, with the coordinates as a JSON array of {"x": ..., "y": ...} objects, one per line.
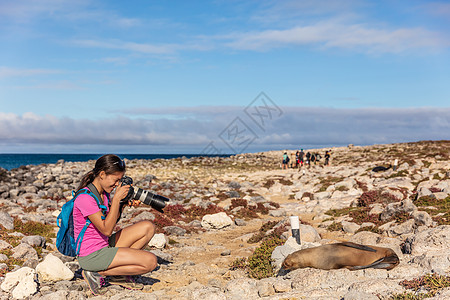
[
  {"x": 34, "y": 228},
  {"x": 259, "y": 236},
  {"x": 246, "y": 213},
  {"x": 239, "y": 263},
  {"x": 368, "y": 198},
  {"x": 362, "y": 186},
  {"x": 196, "y": 212},
  {"x": 427, "y": 201},
  {"x": 340, "y": 212},
  {"x": 375, "y": 196},
  {"x": 328, "y": 181},
  {"x": 162, "y": 221},
  {"x": 222, "y": 196},
  {"x": 262, "y": 209},
  {"x": 335, "y": 227},
  {"x": 442, "y": 219},
  {"x": 373, "y": 229},
  {"x": 286, "y": 182},
  {"x": 238, "y": 202},
  {"x": 342, "y": 188},
  {"x": 274, "y": 204},
  {"x": 176, "y": 211},
  {"x": 268, "y": 183},
  {"x": 362, "y": 216},
  {"x": 309, "y": 195},
  {"x": 260, "y": 262},
  {"x": 268, "y": 225},
  {"x": 430, "y": 283}
]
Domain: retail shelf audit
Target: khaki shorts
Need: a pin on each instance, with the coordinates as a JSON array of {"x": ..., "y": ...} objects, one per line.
[{"x": 100, "y": 259}]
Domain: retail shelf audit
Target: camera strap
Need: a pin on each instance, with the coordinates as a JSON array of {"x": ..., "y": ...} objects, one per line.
[{"x": 99, "y": 199}]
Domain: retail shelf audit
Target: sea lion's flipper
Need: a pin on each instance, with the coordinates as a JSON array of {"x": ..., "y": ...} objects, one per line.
[
  {"x": 357, "y": 246},
  {"x": 388, "y": 263}
]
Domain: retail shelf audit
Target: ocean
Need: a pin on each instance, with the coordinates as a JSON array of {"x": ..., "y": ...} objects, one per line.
[{"x": 12, "y": 161}]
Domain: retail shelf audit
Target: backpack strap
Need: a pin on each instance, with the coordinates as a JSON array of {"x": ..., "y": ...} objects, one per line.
[
  {"x": 81, "y": 235},
  {"x": 93, "y": 193},
  {"x": 96, "y": 195}
]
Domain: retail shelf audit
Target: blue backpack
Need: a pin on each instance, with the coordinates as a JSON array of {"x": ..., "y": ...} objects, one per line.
[{"x": 65, "y": 239}]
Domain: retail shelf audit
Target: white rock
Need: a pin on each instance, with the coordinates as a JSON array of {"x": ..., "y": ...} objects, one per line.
[
  {"x": 350, "y": 227},
  {"x": 216, "y": 221},
  {"x": 159, "y": 240},
  {"x": 431, "y": 240},
  {"x": 322, "y": 195},
  {"x": 20, "y": 282},
  {"x": 308, "y": 234},
  {"x": 440, "y": 195},
  {"x": 347, "y": 183},
  {"x": 53, "y": 269}
]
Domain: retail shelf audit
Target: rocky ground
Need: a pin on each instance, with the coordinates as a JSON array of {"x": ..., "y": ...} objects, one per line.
[{"x": 225, "y": 211}]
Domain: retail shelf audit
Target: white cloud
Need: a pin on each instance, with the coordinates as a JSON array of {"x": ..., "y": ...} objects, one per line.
[
  {"x": 297, "y": 127},
  {"x": 337, "y": 34},
  {"x": 16, "y": 72}
]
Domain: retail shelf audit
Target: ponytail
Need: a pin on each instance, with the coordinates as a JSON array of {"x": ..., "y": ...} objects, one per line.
[
  {"x": 108, "y": 163},
  {"x": 86, "y": 179}
]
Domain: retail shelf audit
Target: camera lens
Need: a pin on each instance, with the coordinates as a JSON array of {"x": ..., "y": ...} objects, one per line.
[{"x": 158, "y": 202}]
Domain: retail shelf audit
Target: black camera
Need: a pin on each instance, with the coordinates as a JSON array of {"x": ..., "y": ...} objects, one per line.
[{"x": 158, "y": 202}]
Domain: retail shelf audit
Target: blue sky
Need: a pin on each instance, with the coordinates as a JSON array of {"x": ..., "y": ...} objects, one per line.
[{"x": 176, "y": 76}]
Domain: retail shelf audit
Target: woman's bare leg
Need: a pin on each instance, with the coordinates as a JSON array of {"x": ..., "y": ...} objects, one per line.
[
  {"x": 135, "y": 236},
  {"x": 130, "y": 261}
]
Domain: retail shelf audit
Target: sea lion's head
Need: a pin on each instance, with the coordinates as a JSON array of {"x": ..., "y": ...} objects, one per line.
[{"x": 291, "y": 262}]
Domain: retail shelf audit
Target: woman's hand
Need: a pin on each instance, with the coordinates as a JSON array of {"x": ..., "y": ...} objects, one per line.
[{"x": 121, "y": 192}]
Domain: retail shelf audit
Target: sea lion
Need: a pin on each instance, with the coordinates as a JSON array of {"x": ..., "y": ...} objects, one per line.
[{"x": 342, "y": 255}]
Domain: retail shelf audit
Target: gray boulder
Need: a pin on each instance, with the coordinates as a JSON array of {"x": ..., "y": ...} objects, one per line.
[{"x": 6, "y": 220}]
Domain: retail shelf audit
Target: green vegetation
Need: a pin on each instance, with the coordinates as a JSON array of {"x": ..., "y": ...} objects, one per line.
[
  {"x": 373, "y": 229},
  {"x": 340, "y": 212},
  {"x": 285, "y": 182},
  {"x": 34, "y": 228},
  {"x": 438, "y": 209},
  {"x": 402, "y": 173},
  {"x": 262, "y": 233},
  {"x": 268, "y": 184},
  {"x": 376, "y": 196},
  {"x": 335, "y": 227},
  {"x": 342, "y": 188},
  {"x": 426, "y": 286},
  {"x": 328, "y": 181},
  {"x": 27, "y": 228},
  {"x": 259, "y": 264}
]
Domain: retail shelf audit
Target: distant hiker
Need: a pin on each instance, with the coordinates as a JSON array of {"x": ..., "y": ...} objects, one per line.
[
  {"x": 327, "y": 157},
  {"x": 301, "y": 157},
  {"x": 285, "y": 160},
  {"x": 313, "y": 158},
  {"x": 292, "y": 160},
  {"x": 318, "y": 157},
  {"x": 308, "y": 156},
  {"x": 297, "y": 158}
]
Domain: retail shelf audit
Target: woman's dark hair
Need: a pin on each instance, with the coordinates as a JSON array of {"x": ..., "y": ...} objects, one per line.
[{"x": 109, "y": 163}]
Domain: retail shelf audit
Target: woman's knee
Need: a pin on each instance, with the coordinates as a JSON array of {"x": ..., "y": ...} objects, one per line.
[
  {"x": 151, "y": 262},
  {"x": 147, "y": 227}
]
